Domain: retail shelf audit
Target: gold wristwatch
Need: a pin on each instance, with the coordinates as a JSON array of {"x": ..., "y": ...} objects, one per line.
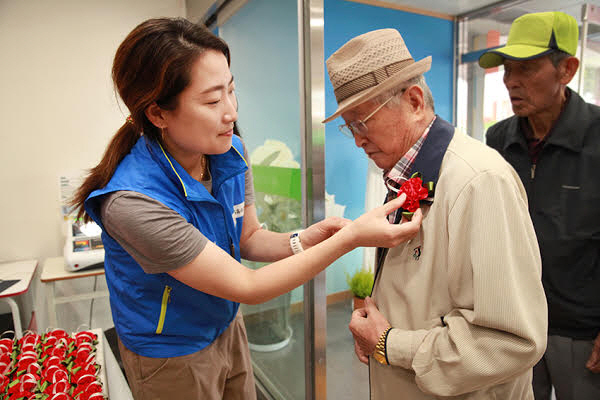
[{"x": 380, "y": 354}]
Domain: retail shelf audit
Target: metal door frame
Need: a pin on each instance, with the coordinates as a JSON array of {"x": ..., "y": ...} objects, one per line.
[{"x": 312, "y": 111}]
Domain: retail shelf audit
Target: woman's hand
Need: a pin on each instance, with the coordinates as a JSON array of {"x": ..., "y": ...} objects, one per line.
[
  {"x": 322, "y": 230},
  {"x": 373, "y": 229},
  {"x": 215, "y": 272}
]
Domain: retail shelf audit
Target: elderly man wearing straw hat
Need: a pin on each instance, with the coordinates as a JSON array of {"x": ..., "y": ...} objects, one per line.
[
  {"x": 553, "y": 142},
  {"x": 459, "y": 310}
]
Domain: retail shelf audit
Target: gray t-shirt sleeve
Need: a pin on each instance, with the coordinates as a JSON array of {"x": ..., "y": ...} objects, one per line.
[{"x": 156, "y": 236}]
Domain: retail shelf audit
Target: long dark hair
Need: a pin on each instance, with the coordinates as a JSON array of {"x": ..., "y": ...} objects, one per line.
[{"x": 152, "y": 65}]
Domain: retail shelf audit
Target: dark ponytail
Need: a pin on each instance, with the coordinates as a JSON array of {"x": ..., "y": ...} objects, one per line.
[
  {"x": 152, "y": 65},
  {"x": 119, "y": 146}
]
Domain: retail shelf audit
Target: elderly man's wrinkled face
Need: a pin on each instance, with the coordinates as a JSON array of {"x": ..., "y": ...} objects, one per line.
[
  {"x": 533, "y": 85},
  {"x": 389, "y": 135}
]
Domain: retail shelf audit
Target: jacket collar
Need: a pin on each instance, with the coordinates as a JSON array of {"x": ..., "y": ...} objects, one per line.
[
  {"x": 428, "y": 163},
  {"x": 429, "y": 158},
  {"x": 222, "y": 167},
  {"x": 564, "y": 133}
]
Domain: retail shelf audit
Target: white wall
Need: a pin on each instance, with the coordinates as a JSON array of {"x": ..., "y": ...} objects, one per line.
[
  {"x": 58, "y": 108},
  {"x": 196, "y": 9}
]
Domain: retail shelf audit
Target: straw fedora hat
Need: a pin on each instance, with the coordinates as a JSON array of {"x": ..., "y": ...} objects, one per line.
[{"x": 368, "y": 65}]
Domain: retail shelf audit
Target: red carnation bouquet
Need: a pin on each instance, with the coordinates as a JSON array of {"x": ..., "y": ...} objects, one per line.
[
  {"x": 52, "y": 366},
  {"x": 415, "y": 192}
]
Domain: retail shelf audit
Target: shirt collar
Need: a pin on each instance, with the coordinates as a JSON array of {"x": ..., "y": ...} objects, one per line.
[{"x": 566, "y": 131}]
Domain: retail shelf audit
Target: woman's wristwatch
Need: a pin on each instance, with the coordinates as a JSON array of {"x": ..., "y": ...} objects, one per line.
[
  {"x": 380, "y": 353},
  {"x": 295, "y": 242}
]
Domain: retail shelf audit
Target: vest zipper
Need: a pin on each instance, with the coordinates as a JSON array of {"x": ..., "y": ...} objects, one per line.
[
  {"x": 166, "y": 298},
  {"x": 533, "y": 171}
]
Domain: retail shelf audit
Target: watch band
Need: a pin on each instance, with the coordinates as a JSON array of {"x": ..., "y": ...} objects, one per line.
[
  {"x": 295, "y": 242},
  {"x": 380, "y": 353}
]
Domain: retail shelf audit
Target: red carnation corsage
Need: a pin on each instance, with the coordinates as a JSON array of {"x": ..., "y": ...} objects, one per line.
[{"x": 415, "y": 192}]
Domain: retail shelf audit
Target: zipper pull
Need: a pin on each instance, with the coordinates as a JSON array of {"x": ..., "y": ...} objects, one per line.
[
  {"x": 168, "y": 293},
  {"x": 231, "y": 248},
  {"x": 533, "y": 170}
]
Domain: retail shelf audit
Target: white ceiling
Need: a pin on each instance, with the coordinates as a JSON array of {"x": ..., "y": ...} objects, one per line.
[
  {"x": 449, "y": 7},
  {"x": 454, "y": 7},
  {"x": 459, "y": 7},
  {"x": 500, "y": 18}
]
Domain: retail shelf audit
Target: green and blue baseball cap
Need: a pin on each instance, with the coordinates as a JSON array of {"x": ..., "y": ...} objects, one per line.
[{"x": 534, "y": 35}]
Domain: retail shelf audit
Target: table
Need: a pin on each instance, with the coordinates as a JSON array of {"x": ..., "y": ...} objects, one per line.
[
  {"x": 23, "y": 271},
  {"x": 53, "y": 271}
]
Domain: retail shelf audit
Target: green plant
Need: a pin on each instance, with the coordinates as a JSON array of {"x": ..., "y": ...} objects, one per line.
[{"x": 360, "y": 283}]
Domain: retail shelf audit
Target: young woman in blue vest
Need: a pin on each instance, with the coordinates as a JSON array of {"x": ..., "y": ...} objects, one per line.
[{"x": 173, "y": 195}]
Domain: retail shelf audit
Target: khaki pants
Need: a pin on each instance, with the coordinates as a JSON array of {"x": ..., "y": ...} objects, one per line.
[{"x": 222, "y": 370}]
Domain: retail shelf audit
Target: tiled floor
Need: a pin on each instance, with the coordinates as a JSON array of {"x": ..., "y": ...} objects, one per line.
[{"x": 347, "y": 378}]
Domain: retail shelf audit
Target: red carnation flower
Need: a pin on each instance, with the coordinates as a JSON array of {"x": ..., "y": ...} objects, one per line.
[
  {"x": 92, "y": 396},
  {"x": 4, "y": 381},
  {"x": 34, "y": 369},
  {"x": 60, "y": 396},
  {"x": 52, "y": 360},
  {"x": 415, "y": 192},
  {"x": 87, "y": 391},
  {"x": 20, "y": 386},
  {"x": 57, "y": 333},
  {"x": 5, "y": 363},
  {"x": 84, "y": 356},
  {"x": 30, "y": 338},
  {"x": 59, "y": 375},
  {"x": 59, "y": 352},
  {"x": 9, "y": 343},
  {"x": 85, "y": 337},
  {"x": 61, "y": 386},
  {"x": 85, "y": 380},
  {"x": 21, "y": 395},
  {"x": 25, "y": 360},
  {"x": 89, "y": 369}
]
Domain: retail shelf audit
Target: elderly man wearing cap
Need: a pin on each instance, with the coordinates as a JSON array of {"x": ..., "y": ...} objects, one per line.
[
  {"x": 553, "y": 142},
  {"x": 459, "y": 310}
]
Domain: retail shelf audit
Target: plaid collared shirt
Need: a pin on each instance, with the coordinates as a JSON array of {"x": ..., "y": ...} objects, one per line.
[{"x": 395, "y": 177}]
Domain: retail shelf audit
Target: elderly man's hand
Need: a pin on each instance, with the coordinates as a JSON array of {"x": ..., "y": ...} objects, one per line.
[
  {"x": 593, "y": 363},
  {"x": 364, "y": 358},
  {"x": 367, "y": 325}
]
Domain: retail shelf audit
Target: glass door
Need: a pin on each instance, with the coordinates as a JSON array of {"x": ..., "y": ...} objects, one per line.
[
  {"x": 276, "y": 107},
  {"x": 482, "y": 98},
  {"x": 589, "y": 85}
]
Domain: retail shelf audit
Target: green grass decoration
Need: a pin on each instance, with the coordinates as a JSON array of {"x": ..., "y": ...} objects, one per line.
[{"x": 360, "y": 283}]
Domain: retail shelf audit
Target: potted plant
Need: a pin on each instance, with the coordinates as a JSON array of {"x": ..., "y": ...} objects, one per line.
[{"x": 361, "y": 284}]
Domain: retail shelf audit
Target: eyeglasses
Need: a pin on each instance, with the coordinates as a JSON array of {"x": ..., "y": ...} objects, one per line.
[{"x": 359, "y": 127}]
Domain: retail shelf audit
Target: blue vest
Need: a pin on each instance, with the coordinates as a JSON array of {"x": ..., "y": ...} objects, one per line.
[{"x": 155, "y": 315}]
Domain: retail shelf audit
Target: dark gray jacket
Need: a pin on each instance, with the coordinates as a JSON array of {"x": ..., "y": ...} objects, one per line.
[{"x": 564, "y": 203}]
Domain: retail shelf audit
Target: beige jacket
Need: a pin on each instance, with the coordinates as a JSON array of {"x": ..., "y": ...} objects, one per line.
[{"x": 476, "y": 263}]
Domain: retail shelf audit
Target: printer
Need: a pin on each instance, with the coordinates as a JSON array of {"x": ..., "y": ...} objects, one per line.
[{"x": 83, "y": 245}]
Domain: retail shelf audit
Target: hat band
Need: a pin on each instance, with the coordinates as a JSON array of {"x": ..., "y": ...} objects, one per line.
[{"x": 370, "y": 79}]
